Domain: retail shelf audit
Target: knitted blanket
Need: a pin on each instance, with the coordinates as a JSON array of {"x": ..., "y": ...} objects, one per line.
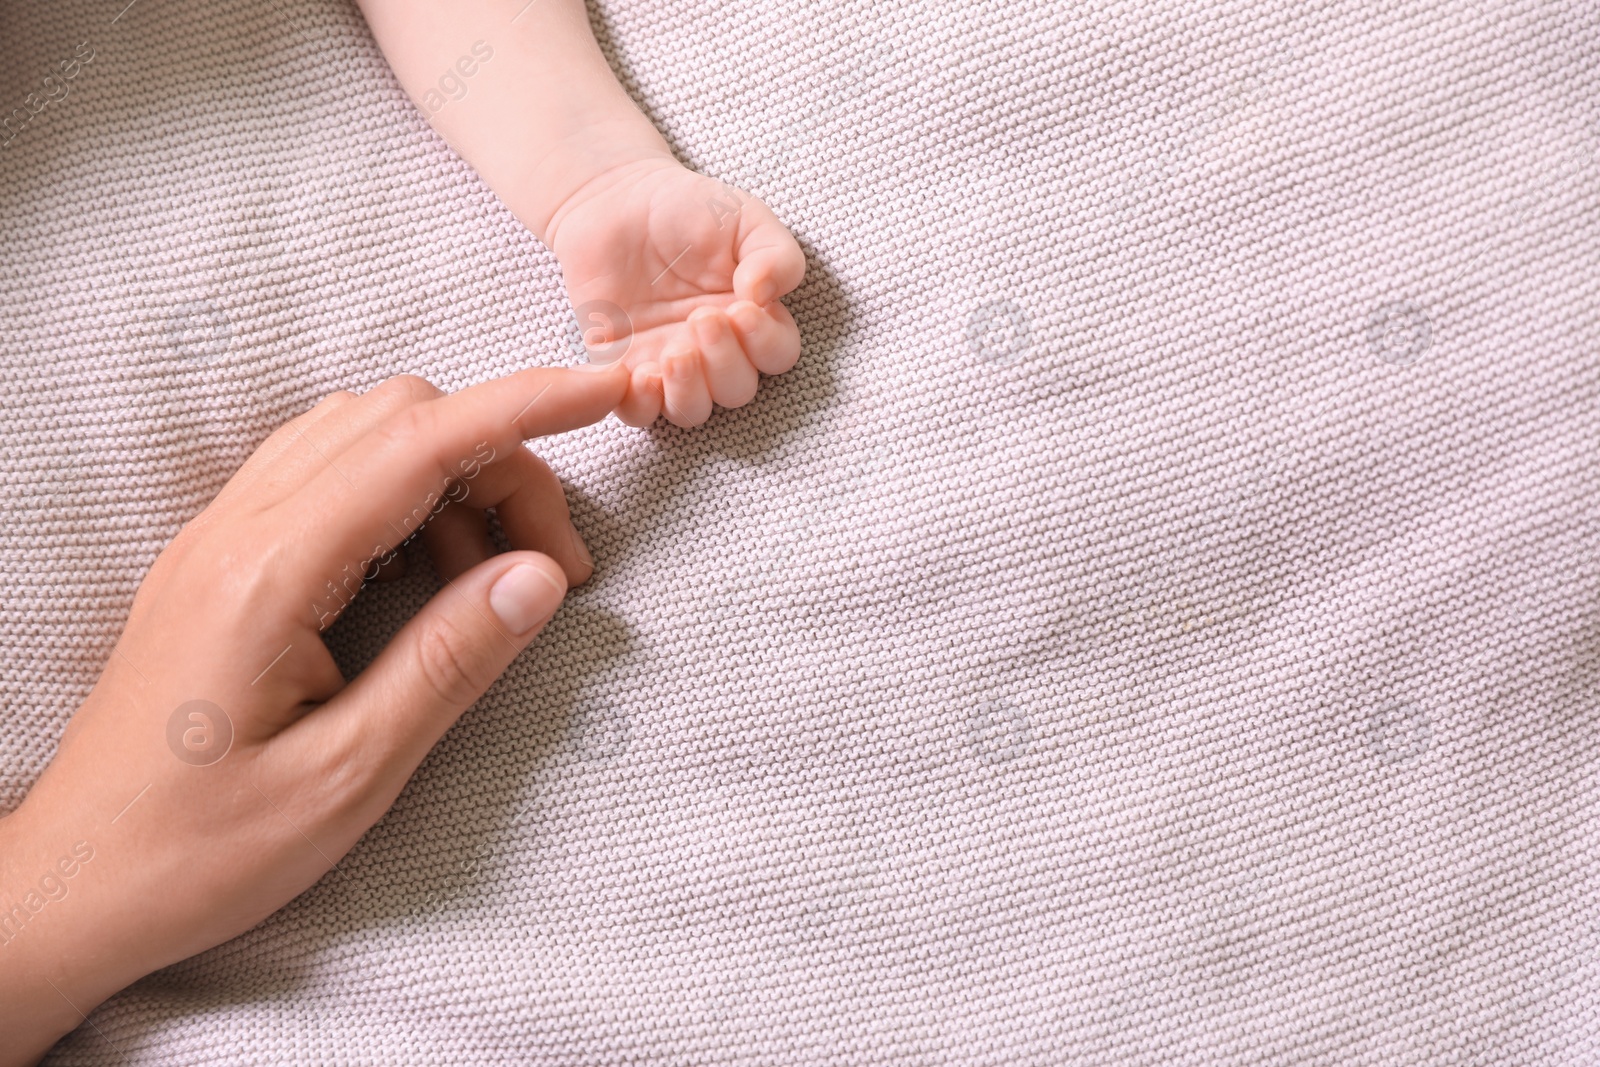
[{"x": 1157, "y": 622}]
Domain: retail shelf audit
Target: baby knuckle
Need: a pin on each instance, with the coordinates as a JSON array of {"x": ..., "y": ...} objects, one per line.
[
  {"x": 786, "y": 356},
  {"x": 453, "y": 673},
  {"x": 741, "y": 393}
]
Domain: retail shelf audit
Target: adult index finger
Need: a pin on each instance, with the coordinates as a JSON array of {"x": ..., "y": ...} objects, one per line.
[{"x": 381, "y": 488}]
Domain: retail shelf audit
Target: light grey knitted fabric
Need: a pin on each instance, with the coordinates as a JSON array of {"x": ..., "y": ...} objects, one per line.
[{"x": 1157, "y": 622}]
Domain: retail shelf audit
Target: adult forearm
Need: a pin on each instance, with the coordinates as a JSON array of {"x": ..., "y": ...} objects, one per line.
[{"x": 58, "y": 960}]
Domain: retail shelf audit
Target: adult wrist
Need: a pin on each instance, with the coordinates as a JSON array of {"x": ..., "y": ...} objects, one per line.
[
  {"x": 43, "y": 996},
  {"x": 75, "y": 915}
]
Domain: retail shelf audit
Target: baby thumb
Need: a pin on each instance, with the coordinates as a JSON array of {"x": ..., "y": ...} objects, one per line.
[{"x": 454, "y": 648}]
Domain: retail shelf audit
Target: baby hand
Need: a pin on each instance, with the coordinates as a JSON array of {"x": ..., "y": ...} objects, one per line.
[
  {"x": 222, "y": 764},
  {"x": 678, "y": 276}
]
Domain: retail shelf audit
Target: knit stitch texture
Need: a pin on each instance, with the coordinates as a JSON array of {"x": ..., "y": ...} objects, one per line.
[{"x": 1157, "y": 622}]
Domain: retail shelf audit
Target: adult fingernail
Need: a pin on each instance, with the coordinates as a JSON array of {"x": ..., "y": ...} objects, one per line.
[
  {"x": 525, "y": 596},
  {"x": 582, "y": 549}
]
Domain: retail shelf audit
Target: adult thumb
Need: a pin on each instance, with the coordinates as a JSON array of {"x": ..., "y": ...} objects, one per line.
[{"x": 449, "y": 654}]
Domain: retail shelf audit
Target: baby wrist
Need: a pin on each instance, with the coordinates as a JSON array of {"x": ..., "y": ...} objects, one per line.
[{"x": 572, "y": 169}]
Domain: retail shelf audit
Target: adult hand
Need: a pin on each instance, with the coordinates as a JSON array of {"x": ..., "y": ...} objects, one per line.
[{"x": 222, "y": 764}]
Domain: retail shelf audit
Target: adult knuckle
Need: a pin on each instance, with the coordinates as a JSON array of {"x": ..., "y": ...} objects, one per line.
[
  {"x": 331, "y": 402},
  {"x": 412, "y": 388},
  {"x": 241, "y": 571},
  {"x": 188, "y": 539},
  {"x": 214, "y": 575},
  {"x": 346, "y": 772},
  {"x": 452, "y": 672},
  {"x": 329, "y": 405},
  {"x": 408, "y": 428},
  {"x": 393, "y": 398},
  {"x": 527, "y": 468},
  {"x": 335, "y": 401}
]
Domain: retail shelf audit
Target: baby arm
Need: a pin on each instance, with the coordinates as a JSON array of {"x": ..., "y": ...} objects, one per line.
[
  {"x": 676, "y": 274},
  {"x": 222, "y": 764}
]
